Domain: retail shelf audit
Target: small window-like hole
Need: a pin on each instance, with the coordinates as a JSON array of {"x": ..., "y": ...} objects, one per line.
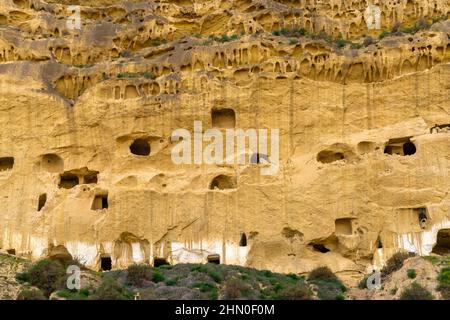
[
  {"x": 11, "y": 251},
  {"x": 140, "y": 147},
  {"x": 243, "y": 240},
  {"x": 223, "y": 118},
  {"x": 6, "y": 163},
  {"x": 42, "y": 201}
]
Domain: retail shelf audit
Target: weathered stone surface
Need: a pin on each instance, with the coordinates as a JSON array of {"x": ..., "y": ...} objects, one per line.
[{"x": 72, "y": 102}]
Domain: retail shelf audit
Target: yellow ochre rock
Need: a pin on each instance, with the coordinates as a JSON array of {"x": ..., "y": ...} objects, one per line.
[{"x": 92, "y": 92}]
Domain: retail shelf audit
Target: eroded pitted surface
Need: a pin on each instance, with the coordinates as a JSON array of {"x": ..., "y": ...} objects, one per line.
[{"x": 86, "y": 118}]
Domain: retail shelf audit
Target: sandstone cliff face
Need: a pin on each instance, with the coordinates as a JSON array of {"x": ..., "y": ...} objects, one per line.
[{"x": 86, "y": 118}]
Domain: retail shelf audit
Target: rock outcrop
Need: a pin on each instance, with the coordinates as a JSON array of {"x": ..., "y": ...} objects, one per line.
[{"x": 87, "y": 115}]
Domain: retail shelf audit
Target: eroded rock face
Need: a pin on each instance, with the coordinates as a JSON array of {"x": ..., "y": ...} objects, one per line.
[{"x": 86, "y": 118}]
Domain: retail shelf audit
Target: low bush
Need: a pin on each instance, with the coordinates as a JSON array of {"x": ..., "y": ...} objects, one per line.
[
  {"x": 47, "y": 275},
  {"x": 444, "y": 283},
  {"x": 322, "y": 273},
  {"x": 138, "y": 273},
  {"x": 395, "y": 263},
  {"x": 110, "y": 290},
  {"x": 298, "y": 292},
  {"x": 235, "y": 288},
  {"x": 416, "y": 292},
  {"x": 411, "y": 273},
  {"x": 31, "y": 294}
]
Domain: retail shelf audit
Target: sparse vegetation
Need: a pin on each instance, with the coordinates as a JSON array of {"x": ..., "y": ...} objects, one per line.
[
  {"x": 411, "y": 273},
  {"x": 416, "y": 292},
  {"x": 329, "y": 287},
  {"x": 47, "y": 275},
  {"x": 444, "y": 283},
  {"x": 395, "y": 263},
  {"x": 137, "y": 274}
]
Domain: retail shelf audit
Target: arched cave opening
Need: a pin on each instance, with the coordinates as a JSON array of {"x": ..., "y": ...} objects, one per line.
[
  {"x": 157, "y": 262},
  {"x": 222, "y": 182},
  {"x": 442, "y": 246},
  {"x": 11, "y": 251},
  {"x": 52, "y": 163},
  {"x": 140, "y": 147},
  {"x": 243, "y": 240}
]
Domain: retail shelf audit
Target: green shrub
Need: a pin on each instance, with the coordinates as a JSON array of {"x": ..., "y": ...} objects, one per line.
[
  {"x": 341, "y": 42},
  {"x": 31, "y": 294},
  {"x": 215, "y": 276},
  {"x": 395, "y": 263},
  {"x": 47, "y": 275},
  {"x": 22, "y": 277},
  {"x": 171, "y": 282},
  {"x": 384, "y": 34},
  {"x": 394, "y": 291},
  {"x": 158, "y": 277},
  {"x": 444, "y": 283},
  {"x": 322, "y": 273},
  {"x": 411, "y": 273},
  {"x": 329, "y": 287},
  {"x": 416, "y": 292},
  {"x": 138, "y": 273},
  {"x": 235, "y": 288},
  {"x": 73, "y": 294}
]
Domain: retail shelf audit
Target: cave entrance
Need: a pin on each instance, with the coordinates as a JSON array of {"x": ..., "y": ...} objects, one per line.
[
  {"x": 11, "y": 251},
  {"x": 157, "y": 262},
  {"x": 105, "y": 263},
  {"x": 42, "y": 200},
  {"x": 222, "y": 182},
  {"x": 320, "y": 248},
  {"x": 140, "y": 147},
  {"x": 6, "y": 163},
  {"x": 100, "y": 202},
  {"x": 223, "y": 118},
  {"x": 243, "y": 240},
  {"x": 91, "y": 177},
  {"x": 68, "y": 180},
  {"x": 214, "y": 258},
  {"x": 327, "y": 156},
  {"x": 400, "y": 146},
  {"x": 442, "y": 246}
]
